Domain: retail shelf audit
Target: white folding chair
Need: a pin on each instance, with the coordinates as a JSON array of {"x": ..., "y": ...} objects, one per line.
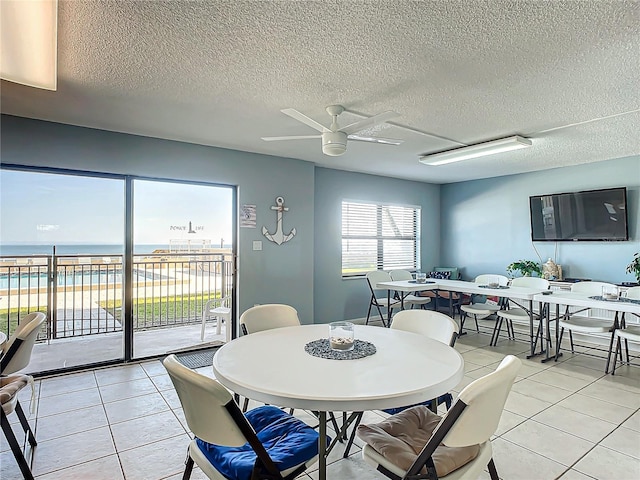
[
  {"x": 519, "y": 314},
  {"x": 626, "y": 332},
  {"x": 220, "y": 309},
  {"x": 484, "y": 309},
  {"x": 378, "y": 300},
  {"x": 582, "y": 322},
  {"x": 265, "y": 443},
  {"x": 464, "y": 431},
  {"x": 268, "y": 316},
  {"x": 408, "y": 299}
]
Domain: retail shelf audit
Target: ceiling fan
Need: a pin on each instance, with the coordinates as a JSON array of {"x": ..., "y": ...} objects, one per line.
[{"x": 334, "y": 138}]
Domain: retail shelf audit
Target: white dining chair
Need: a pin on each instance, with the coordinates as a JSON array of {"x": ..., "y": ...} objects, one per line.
[
  {"x": 380, "y": 297},
  {"x": 458, "y": 445},
  {"x": 519, "y": 314},
  {"x": 481, "y": 310},
  {"x": 581, "y": 321},
  {"x": 410, "y": 299},
  {"x": 263, "y": 443},
  {"x": 629, "y": 332},
  {"x": 220, "y": 309}
]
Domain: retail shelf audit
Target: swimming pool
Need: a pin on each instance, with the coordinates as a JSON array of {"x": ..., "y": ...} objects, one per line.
[{"x": 69, "y": 279}]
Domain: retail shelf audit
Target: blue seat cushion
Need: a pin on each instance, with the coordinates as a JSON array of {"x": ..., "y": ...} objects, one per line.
[
  {"x": 446, "y": 398},
  {"x": 288, "y": 440}
]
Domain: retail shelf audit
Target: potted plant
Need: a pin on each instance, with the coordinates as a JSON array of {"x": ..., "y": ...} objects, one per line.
[
  {"x": 526, "y": 267},
  {"x": 634, "y": 266}
]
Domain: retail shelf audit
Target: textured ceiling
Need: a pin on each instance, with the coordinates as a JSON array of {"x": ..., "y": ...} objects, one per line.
[{"x": 566, "y": 74}]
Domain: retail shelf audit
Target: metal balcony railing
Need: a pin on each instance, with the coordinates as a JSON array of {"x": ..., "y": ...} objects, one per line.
[{"x": 83, "y": 295}]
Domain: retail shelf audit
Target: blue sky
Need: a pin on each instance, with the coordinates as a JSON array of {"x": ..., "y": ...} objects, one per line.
[{"x": 60, "y": 209}]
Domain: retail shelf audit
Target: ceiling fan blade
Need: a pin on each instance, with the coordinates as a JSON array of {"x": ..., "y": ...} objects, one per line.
[
  {"x": 381, "y": 140},
  {"x": 295, "y": 114},
  {"x": 369, "y": 122},
  {"x": 291, "y": 137}
]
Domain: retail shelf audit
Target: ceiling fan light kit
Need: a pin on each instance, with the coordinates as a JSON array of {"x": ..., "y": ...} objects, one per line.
[
  {"x": 334, "y": 138},
  {"x": 334, "y": 143},
  {"x": 478, "y": 150}
]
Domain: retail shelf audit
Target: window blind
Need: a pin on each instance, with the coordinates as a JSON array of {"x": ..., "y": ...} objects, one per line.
[{"x": 379, "y": 237}]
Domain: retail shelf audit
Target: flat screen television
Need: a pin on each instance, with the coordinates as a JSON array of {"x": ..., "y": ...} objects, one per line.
[{"x": 594, "y": 215}]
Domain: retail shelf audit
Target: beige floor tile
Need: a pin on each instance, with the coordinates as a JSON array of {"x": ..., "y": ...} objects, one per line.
[
  {"x": 153, "y": 367},
  {"x": 576, "y": 371},
  {"x": 482, "y": 357},
  {"x": 546, "y": 441},
  {"x": 575, "y": 423},
  {"x": 560, "y": 380},
  {"x": 64, "y": 452},
  {"x": 135, "y": 407},
  {"x": 508, "y": 421},
  {"x": 596, "y": 408},
  {"x": 171, "y": 397},
  {"x": 144, "y": 430},
  {"x": 108, "y": 376},
  {"x": 625, "y": 441},
  {"x": 67, "y": 423},
  {"x": 540, "y": 391},
  {"x": 133, "y": 388},
  {"x": 629, "y": 381},
  {"x": 575, "y": 475},
  {"x": 106, "y": 468},
  {"x": 633, "y": 422},
  {"x": 514, "y": 462},
  {"x": 603, "y": 463},
  {"x": 68, "y": 402},
  {"x": 67, "y": 383},
  {"x": 525, "y": 405},
  {"x": 595, "y": 363},
  {"x": 613, "y": 395},
  {"x": 156, "y": 460},
  {"x": 162, "y": 382},
  {"x": 353, "y": 467}
]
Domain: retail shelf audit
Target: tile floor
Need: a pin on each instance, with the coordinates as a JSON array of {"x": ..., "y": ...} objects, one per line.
[{"x": 562, "y": 420}]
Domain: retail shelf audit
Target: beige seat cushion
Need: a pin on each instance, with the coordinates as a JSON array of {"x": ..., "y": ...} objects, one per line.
[
  {"x": 10, "y": 386},
  {"x": 401, "y": 437}
]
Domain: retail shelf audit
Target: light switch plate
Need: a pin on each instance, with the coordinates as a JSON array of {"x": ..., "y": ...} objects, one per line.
[{"x": 257, "y": 245}]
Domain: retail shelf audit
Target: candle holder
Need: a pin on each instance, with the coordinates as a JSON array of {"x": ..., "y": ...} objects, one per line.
[{"x": 341, "y": 336}]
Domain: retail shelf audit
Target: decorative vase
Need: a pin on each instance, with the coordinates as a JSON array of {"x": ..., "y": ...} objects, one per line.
[{"x": 550, "y": 270}]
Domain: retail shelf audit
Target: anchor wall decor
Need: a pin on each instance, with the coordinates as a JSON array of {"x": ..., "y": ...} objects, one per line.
[{"x": 279, "y": 237}]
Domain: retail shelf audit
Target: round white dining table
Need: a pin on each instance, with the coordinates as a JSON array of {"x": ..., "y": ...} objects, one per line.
[{"x": 273, "y": 367}]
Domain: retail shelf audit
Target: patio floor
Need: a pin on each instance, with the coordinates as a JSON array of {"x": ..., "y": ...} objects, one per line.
[{"x": 75, "y": 351}]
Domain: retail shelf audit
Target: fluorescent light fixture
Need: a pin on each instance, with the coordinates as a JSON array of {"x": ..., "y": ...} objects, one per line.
[
  {"x": 28, "y": 42},
  {"x": 478, "y": 150}
]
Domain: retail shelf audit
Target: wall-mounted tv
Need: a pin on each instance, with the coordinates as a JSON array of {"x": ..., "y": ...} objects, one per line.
[{"x": 594, "y": 215}]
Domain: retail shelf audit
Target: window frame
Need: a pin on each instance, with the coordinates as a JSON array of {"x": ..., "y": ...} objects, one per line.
[{"x": 380, "y": 237}]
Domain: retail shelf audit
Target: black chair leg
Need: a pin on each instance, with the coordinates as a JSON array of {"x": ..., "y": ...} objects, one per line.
[
  {"x": 493, "y": 473},
  {"x": 25, "y": 424},
  {"x": 496, "y": 333},
  {"x": 606, "y": 368},
  {"x": 245, "y": 405},
  {"x": 626, "y": 348},
  {"x": 615, "y": 357},
  {"x": 571, "y": 340},
  {"x": 475, "y": 317},
  {"x": 15, "y": 447},
  {"x": 368, "y": 314},
  {"x": 559, "y": 346},
  {"x": 188, "y": 467}
]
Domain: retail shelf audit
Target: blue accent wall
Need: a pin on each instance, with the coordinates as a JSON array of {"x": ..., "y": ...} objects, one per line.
[
  {"x": 277, "y": 274},
  {"x": 338, "y": 299},
  {"x": 486, "y": 225}
]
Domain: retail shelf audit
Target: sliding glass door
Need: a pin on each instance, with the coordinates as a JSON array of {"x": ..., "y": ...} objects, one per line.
[
  {"x": 182, "y": 245},
  {"x": 61, "y": 252}
]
